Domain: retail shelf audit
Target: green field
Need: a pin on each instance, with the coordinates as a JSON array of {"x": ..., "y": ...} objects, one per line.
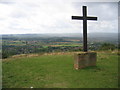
[{"x": 56, "y": 71}]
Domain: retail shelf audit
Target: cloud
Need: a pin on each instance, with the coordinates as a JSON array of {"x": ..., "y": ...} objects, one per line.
[{"x": 43, "y": 16}]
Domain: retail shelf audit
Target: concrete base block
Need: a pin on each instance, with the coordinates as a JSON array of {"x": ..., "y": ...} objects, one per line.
[{"x": 84, "y": 59}]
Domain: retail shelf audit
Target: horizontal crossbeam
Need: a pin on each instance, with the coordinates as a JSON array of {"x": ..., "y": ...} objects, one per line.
[
  {"x": 91, "y": 18},
  {"x": 81, "y": 18},
  {"x": 77, "y": 17}
]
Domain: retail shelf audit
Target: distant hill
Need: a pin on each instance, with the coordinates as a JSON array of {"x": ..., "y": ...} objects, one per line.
[
  {"x": 91, "y": 36},
  {"x": 111, "y": 35}
]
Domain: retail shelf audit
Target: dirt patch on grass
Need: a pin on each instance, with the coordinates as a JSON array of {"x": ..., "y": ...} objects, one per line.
[{"x": 56, "y": 85}]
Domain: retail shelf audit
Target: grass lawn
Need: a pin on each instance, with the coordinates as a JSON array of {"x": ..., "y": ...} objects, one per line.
[{"x": 56, "y": 71}]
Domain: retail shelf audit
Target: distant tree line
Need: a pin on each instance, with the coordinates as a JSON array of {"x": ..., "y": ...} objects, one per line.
[
  {"x": 108, "y": 46},
  {"x": 9, "y": 50}
]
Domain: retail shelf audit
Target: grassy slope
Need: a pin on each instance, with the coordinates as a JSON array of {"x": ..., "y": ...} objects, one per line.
[{"x": 56, "y": 71}]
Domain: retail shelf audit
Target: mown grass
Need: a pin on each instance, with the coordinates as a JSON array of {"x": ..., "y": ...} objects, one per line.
[{"x": 56, "y": 71}]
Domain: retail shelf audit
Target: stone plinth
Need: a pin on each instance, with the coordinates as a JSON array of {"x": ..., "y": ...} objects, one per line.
[{"x": 84, "y": 59}]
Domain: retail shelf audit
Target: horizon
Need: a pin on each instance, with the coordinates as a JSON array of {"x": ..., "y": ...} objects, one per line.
[{"x": 65, "y": 33}]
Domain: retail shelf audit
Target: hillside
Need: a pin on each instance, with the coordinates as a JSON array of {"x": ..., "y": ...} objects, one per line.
[
  {"x": 98, "y": 36},
  {"x": 56, "y": 71}
]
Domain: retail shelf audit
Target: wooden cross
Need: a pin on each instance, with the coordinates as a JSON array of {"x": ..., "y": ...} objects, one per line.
[{"x": 84, "y": 18}]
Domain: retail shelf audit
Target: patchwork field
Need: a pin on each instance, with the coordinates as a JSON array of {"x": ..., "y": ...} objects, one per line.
[{"x": 56, "y": 71}]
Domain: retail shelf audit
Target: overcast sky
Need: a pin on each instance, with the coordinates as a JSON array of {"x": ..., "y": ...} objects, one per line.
[{"x": 44, "y": 16}]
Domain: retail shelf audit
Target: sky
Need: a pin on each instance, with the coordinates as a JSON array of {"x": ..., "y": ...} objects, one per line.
[{"x": 45, "y": 16}]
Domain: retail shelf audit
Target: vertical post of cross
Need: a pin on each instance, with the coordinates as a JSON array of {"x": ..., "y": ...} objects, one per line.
[{"x": 85, "y": 28}]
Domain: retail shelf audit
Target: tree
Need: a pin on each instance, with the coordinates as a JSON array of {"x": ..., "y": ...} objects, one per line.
[{"x": 107, "y": 46}]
